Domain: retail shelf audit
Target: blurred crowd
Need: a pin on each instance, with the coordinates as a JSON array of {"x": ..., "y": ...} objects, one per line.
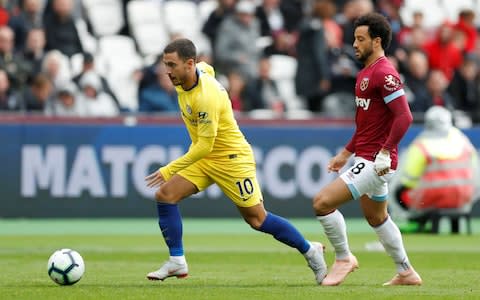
[{"x": 275, "y": 57}]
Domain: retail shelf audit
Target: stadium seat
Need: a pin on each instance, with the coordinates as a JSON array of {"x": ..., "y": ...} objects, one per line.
[
  {"x": 283, "y": 69},
  {"x": 116, "y": 45},
  {"x": 205, "y": 8},
  {"x": 432, "y": 10},
  {"x": 452, "y": 8},
  {"x": 339, "y": 105},
  {"x": 76, "y": 64},
  {"x": 118, "y": 59},
  {"x": 105, "y": 16},
  {"x": 89, "y": 43},
  {"x": 65, "y": 69},
  {"x": 476, "y": 8},
  {"x": 147, "y": 26},
  {"x": 182, "y": 17}
]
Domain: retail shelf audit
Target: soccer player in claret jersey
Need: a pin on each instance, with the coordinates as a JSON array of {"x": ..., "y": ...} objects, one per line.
[
  {"x": 382, "y": 118},
  {"x": 219, "y": 154}
]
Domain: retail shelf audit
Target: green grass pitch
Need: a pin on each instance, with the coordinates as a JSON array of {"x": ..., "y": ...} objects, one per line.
[{"x": 227, "y": 260}]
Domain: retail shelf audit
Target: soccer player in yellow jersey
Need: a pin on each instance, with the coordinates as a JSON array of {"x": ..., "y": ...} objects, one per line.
[{"x": 219, "y": 154}]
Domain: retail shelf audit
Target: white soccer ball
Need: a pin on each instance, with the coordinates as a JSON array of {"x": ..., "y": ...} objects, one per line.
[{"x": 65, "y": 267}]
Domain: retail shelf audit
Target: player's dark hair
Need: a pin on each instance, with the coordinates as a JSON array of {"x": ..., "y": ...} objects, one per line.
[
  {"x": 378, "y": 26},
  {"x": 184, "y": 48}
]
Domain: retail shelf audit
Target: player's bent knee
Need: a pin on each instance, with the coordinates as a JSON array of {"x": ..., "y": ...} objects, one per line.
[
  {"x": 375, "y": 220},
  {"x": 320, "y": 205},
  {"x": 164, "y": 197},
  {"x": 255, "y": 223}
]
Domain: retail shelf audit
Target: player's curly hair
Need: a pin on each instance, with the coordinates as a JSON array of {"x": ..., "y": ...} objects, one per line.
[
  {"x": 184, "y": 48},
  {"x": 378, "y": 26}
]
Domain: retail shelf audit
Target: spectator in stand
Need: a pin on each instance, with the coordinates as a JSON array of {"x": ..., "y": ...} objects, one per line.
[
  {"x": 435, "y": 94},
  {"x": 235, "y": 48},
  {"x": 415, "y": 71},
  {"x": 15, "y": 65},
  {"x": 351, "y": 11},
  {"x": 467, "y": 29},
  {"x": 37, "y": 96},
  {"x": 61, "y": 30},
  {"x": 66, "y": 102},
  {"x": 4, "y": 13},
  {"x": 343, "y": 65},
  {"x": 30, "y": 17},
  {"x": 406, "y": 37},
  {"x": 442, "y": 52},
  {"x": 333, "y": 31},
  {"x": 210, "y": 28},
  {"x": 391, "y": 10},
  {"x": 160, "y": 95},
  {"x": 9, "y": 99},
  {"x": 77, "y": 9},
  {"x": 279, "y": 20},
  {"x": 12, "y": 7},
  {"x": 464, "y": 86},
  {"x": 34, "y": 50},
  {"x": 88, "y": 65},
  {"x": 97, "y": 102},
  {"x": 235, "y": 89},
  {"x": 262, "y": 92},
  {"x": 53, "y": 67},
  {"x": 312, "y": 79}
]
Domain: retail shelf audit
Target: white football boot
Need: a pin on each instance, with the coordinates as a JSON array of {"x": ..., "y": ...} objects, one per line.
[
  {"x": 316, "y": 261},
  {"x": 169, "y": 269}
]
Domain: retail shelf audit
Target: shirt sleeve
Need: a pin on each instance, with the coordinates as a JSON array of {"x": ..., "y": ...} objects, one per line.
[
  {"x": 206, "y": 110},
  {"x": 394, "y": 96},
  {"x": 199, "y": 150},
  {"x": 402, "y": 118}
]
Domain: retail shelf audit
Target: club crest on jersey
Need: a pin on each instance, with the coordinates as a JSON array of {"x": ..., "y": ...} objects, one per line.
[
  {"x": 391, "y": 83},
  {"x": 189, "y": 109},
  {"x": 364, "y": 84}
]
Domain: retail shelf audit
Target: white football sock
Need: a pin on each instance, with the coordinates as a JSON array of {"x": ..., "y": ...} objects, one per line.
[
  {"x": 391, "y": 239},
  {"x": 336, "y": 232},
  {"x": 178, "y": 259}
]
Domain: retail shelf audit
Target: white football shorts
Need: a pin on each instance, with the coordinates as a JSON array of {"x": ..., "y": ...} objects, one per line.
[{"x": 362, "y": 179}]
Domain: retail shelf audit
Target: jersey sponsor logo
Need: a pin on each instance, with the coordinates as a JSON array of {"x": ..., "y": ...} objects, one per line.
[
  {"x": 202, "y": 118},
  {"x": 364, "y": 84},
  {"x": 391, "y": 83},
  {"x": 362, "y": 102}
]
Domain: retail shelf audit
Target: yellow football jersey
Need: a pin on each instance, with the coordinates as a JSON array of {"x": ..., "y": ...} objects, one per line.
[{"x": 207, "y": 112}]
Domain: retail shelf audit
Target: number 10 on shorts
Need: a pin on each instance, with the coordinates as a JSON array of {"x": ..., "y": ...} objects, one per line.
[{"x": 245, "y": 187}]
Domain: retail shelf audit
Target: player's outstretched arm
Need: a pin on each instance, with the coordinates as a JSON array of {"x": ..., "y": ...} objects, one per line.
[{"x": 199, "y": 150}]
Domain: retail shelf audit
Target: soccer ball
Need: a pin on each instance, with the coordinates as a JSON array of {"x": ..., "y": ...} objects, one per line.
[{"x": 65, "y": 267}]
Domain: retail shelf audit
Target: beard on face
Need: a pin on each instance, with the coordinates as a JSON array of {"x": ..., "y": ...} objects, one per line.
[
  {"x": 363, "y": 56},
  {"x": 174, "y": 80}
]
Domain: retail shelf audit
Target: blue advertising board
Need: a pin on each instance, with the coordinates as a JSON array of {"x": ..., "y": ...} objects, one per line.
[{"x": 88, "y": 170}]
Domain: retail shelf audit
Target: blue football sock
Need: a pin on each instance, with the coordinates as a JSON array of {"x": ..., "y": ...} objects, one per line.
[
  {"x": 170, "y": 223},
  {"x": 283, "y": 231}
]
